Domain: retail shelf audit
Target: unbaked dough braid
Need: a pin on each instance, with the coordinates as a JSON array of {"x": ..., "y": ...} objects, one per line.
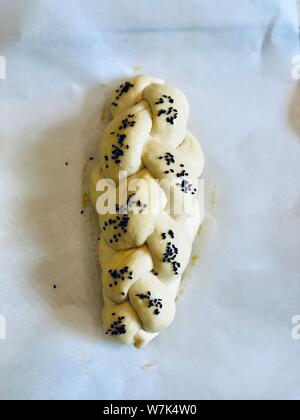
[{"x": 146, "y": 243}]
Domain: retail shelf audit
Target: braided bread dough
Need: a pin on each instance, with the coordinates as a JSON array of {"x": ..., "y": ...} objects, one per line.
[{"x": 143, "y": 254}]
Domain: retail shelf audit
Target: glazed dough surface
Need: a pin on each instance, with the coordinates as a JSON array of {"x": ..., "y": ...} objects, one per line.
[{"x": 146, "y": 239}]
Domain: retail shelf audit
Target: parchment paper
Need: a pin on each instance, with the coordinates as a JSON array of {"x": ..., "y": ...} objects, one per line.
[{"x": 232, "y": 337}]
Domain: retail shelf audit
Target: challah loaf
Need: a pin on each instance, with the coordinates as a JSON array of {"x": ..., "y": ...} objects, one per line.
[{"x": 147, "y": 234}]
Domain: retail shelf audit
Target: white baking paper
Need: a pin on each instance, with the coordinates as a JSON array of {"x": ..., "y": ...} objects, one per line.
[{"x": 233, "y": 336}]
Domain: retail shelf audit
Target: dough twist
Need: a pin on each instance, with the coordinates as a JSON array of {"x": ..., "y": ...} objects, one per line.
[{"x": 146, "y": 243}]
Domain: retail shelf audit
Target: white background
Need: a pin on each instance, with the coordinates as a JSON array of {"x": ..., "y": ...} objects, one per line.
[{"x": 232, "y": 337}]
